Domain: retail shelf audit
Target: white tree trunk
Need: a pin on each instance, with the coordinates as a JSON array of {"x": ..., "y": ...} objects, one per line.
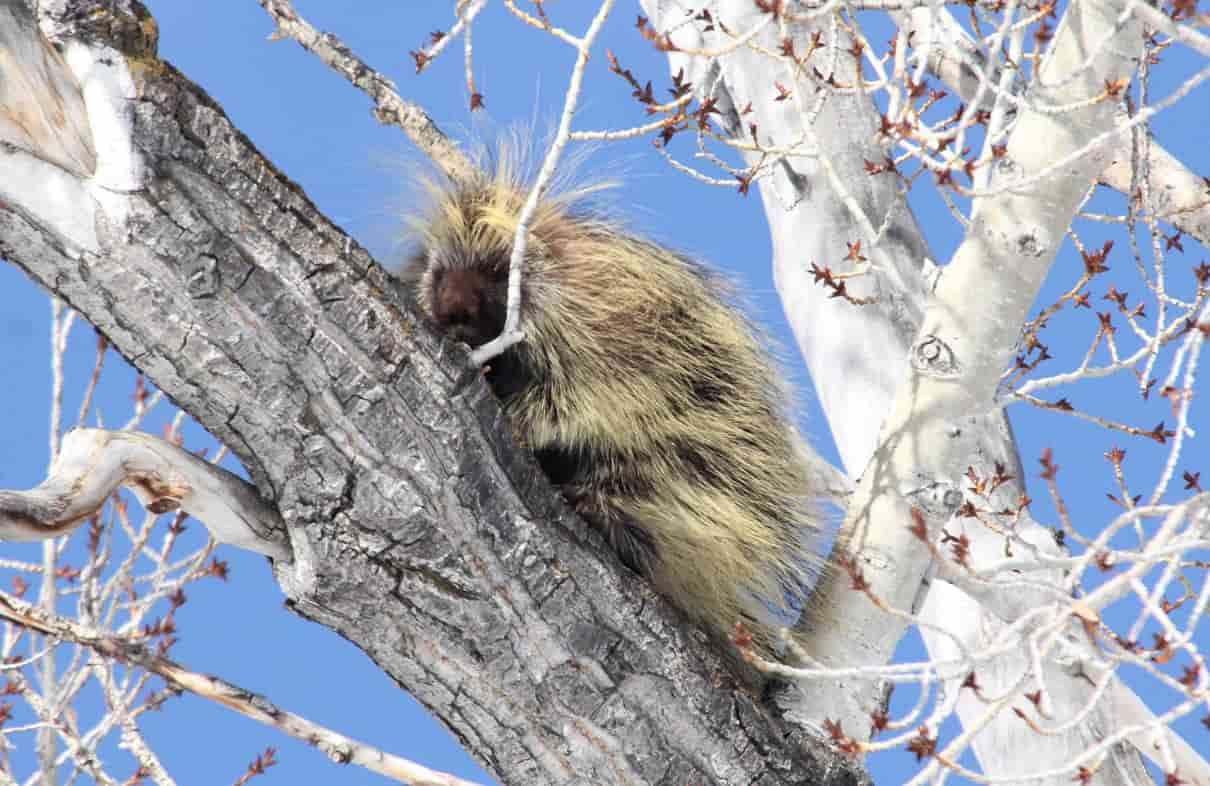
[{"x": 941, "y": 417}]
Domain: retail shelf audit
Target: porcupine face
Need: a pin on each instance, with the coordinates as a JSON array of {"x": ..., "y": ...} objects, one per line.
[{"x": 468, "y": 303}]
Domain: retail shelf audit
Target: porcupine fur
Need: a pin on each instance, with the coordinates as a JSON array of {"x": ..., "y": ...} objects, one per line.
[{"x": 642, "y": 390}]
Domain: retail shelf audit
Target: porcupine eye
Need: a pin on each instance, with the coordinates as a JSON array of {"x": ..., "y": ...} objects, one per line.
[{"x": 469, "y": 304}]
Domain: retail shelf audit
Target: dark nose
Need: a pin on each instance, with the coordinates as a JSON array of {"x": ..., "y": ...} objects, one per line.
[{"x": 458, "y": 302}]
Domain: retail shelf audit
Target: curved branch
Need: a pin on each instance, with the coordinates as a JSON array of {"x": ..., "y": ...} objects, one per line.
[{"x": 92, "y": 463}]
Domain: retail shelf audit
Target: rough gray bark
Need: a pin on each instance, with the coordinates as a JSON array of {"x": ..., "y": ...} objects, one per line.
[{"x": 419, "y": 532}]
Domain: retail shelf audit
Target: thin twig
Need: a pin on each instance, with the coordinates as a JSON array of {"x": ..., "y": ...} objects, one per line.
[
  {"x": 337, "y": 746},
  {"x": 389, "y": 107}
]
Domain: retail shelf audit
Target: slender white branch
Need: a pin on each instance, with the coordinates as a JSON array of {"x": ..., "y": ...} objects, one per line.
[
  {"x": 1154, "y": 18},
  {"x": 516, "y": 263},
  {"x": 542, "y": 24},
  {"x": 466, "y": 16}
]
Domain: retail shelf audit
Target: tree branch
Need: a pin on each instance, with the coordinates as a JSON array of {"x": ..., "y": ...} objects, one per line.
[
  {"x": 91, "y": 465},
  {"x": 389, "y": 106},
  {"x": 1181, "y": 196},
  {"x": 251, "y": 705}
]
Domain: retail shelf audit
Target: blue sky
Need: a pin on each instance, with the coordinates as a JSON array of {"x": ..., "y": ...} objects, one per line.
[{"x": 318, "y": 130}]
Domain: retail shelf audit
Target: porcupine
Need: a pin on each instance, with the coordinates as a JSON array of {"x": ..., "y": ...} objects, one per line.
[{"x": 640, "y": 387}]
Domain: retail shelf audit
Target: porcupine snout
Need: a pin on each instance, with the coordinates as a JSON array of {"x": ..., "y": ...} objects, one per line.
[{"x": 469, "y": 305}]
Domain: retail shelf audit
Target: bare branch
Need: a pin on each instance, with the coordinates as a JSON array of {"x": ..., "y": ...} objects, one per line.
[
  {"x": 511, "y": 334},
  {"x": 336, "y": 746},
  {"x": 93, "y": 463},
  {"x": 389, "y": 107}
]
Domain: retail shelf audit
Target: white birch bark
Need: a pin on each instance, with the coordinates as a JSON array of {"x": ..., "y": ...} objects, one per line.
[{"x": 940, "y": 416}]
